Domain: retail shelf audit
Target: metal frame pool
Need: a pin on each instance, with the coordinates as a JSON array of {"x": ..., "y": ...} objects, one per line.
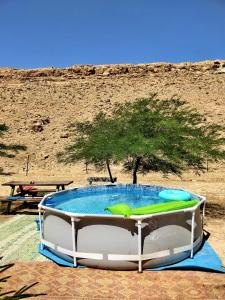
[{"x": 122, "y": 243}]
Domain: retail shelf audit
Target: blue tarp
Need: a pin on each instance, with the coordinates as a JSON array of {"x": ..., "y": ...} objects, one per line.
[{"x": 205, "y": 259}]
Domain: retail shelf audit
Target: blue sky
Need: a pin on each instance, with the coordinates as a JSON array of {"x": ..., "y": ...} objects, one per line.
[{"x": 45, "y": 33}]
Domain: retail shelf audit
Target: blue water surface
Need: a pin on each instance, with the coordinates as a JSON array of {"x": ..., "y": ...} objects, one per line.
[{"x": 94, "y": 200}]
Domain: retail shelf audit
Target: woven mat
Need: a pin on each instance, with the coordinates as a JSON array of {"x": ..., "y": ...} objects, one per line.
[
  {"x": 57, "y": 282},
  {"x": 19, "y": 239}
]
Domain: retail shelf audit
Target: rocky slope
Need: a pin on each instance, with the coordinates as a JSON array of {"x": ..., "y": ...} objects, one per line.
[{"x": 39, "y": 104}]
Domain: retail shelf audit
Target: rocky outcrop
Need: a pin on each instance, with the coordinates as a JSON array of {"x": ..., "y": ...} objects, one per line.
[{"x": 110, "y": 70}]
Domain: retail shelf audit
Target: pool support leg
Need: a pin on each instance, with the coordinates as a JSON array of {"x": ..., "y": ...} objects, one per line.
[
  {"x": 40, "y": 226},
  {"x": 74, "y": 241},
  {"x": 139, "y": 246},
  {"x": 203, "y": 214},
  {"x": 192, "y": 233}
]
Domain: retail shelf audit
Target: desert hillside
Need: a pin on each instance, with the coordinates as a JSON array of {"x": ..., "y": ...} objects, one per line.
[{"x": 39, "y": 104}]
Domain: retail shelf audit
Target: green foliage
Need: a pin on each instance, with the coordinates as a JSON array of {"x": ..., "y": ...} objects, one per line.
[
  {"x": 9, "y": 150},
  {"x": 146, "y": 135},
  {"x": 92, "y": 144}
]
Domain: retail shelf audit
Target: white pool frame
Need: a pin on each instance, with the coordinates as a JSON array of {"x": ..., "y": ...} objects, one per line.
[{"x": 139, "y": 257}]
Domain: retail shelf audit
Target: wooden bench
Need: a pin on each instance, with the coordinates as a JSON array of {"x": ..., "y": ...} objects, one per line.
[
  {"x": 46, "y": 190},
  {"x": 9, "y": 199},
  {"x": 100, "y": 179},
  {"x": 37, "y": 192}
]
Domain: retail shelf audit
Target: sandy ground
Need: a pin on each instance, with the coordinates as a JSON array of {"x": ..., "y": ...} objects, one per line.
[{"x": 210, "y": 184}]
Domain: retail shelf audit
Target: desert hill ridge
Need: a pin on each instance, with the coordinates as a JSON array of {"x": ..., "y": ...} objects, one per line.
[
  {"x": 217, "y": 66},
  {"x": 38, "y": 104}
]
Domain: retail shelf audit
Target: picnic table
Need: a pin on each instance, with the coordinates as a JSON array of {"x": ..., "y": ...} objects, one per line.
[
  {"x": 59, "y": 185},
  {"x": 22, "y": 190}
]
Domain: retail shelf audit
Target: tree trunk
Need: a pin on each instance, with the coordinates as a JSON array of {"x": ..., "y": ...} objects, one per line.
[
  {"x": 136, "y": 166},
  {"x": 109, "y": 170}
]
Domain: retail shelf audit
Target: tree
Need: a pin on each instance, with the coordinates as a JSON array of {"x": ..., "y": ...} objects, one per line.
[
  {"x": 93, "y": 143},
  {"x": 149, "y": 134},
  {"x": 10, "y": 150}
]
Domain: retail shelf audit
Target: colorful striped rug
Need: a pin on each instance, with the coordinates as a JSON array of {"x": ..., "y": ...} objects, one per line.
[{"x": 19, "y": 239}]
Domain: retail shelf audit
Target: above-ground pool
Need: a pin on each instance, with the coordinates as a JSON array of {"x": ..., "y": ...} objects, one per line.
[{"x": 76, "y": 227}]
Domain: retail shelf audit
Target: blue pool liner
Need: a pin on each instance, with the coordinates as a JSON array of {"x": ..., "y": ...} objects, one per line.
[{"x": 205, "y": 260}]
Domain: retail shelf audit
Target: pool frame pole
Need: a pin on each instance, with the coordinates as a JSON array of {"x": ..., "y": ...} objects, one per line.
[
  {"x": 74, "y": 241},
  {"x": 40, "y": 226},
  {"x": 139, "y": 224},
  {"x": 203, "y": 212},
  {"x": 192, "y": 233}
]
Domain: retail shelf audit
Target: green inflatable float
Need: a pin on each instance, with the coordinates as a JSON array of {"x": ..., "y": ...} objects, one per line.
[{"x": 126, "y": 210}]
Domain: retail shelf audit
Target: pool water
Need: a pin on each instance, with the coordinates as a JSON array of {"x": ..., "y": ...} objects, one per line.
[
  {"x": 96, "y": 204},
  {"x": 94, "y": 200}
]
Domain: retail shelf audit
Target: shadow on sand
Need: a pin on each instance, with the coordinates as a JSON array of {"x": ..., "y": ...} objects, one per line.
[{"x": 215, "y": 210}]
